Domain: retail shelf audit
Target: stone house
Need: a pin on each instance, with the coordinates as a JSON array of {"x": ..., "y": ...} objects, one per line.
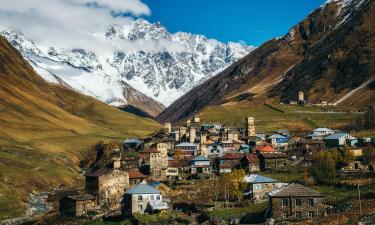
[
  {"x": 259, "y": 186},
  {"x": 129, "y": 163},
  {"x": 295, "y": 202},
  {"x": 273, "y": 160},
  {"x": 187, "y": 149},
  {"x": 312, "y": 145},
  {"x": 158, "y": 163},
  {"x": 229, "y": 160},
  {"x": 109, "y": 186},
  {"x": 250, "y": 163},
  {"x": 173, "y": 169},
  {"x": 143, "y": 198},
  {"x": 77, "y": 205},
  {"x": 136, "y": 177}
]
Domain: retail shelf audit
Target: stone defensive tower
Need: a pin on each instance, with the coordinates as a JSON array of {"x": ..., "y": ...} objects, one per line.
[
  {"x": 250, "y": 126},
  {"x": 301, "y": 96}
]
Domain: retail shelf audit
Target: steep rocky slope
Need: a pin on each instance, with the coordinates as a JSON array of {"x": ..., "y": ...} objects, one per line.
[
  {"x": 327, "y": 55},
  {"x": 45, "y": 129}
]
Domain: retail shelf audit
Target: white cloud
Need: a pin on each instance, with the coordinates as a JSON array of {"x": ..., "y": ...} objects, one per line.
[{"x": 68, "y": 24}]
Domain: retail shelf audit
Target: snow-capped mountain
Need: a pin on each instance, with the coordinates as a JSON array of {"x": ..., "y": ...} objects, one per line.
[{"x": 145, "y": 59}]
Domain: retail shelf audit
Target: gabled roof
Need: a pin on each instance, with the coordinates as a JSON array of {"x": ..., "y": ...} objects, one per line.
[
  {"x": 186, "y": 144},
  {"x": 200, "y": 158},
  {"x": 142, "y": 189},
  {"x": 295, "y": 190},
  {"x": 276, "y": 136},
  {"x": 136, "y": 141},
  {"x": 322, "y": 129},
  {"x": 135, "y": 174},
  {"x": 338, "y": 136},
  {"x": 255, "y": 178}
]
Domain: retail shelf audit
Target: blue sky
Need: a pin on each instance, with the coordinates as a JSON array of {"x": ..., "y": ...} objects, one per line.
[{"x": 252, "y": 21}]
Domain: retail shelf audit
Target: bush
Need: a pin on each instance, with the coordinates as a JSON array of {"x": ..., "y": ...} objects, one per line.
[{"x": 324, "y": 168}]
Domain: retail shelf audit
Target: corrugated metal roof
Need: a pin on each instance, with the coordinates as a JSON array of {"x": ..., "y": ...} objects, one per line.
[
  {"x": 323, "y": 129},
  {"x": 200, "y": 158},
  {"x": 338, "y": 136},
  {"x": 255, "y": 178},
  {"x": 128, "y": 141},
  {"x": 186, "y": 144},
  {"x": 142, "y": 189},
  {"x": 274, "y": 136}
]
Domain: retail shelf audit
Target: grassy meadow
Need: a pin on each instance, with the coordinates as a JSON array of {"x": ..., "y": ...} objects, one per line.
[{"x": 274, "y": 117}]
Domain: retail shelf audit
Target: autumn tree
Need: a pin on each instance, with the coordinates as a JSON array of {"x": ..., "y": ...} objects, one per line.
[
  {"x": 324, "y": 168},
  {"x": 238, "y": 184},
  {"x": 343, "y": 157}
]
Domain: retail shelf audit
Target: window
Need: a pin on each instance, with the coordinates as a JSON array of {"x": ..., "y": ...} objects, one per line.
[
  {"x": 310, "y": 215},
  {"x": 139, "y": 197},
  {"x": 298, "y": 215},
  {"x": 298, "y": 202},
  {"x": 310, "y": 202},
  {"x": 157, "y": 197},
  {"x": 285, "y": 215},
  {"x": 140, "y": 207},
  {"x": 285, "y": 202},
  {"x": 151, "y": 197}
]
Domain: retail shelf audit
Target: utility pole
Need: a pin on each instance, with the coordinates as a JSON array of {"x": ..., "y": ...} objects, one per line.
[{"x": 359, "y": 198}]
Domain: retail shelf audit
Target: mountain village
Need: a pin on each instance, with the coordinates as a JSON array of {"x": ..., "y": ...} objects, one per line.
[
  {"x": 141, "y": 177},
  {"x": 108, "y": 117}
]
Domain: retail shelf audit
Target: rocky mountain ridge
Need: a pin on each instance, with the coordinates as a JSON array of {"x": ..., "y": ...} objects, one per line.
[{"x": 327, "y": 55}]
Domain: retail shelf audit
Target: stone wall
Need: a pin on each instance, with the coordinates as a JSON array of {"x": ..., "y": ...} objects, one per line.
[
  {"x": 277, "y": 209},
  {"x": 112, "y": 187}
]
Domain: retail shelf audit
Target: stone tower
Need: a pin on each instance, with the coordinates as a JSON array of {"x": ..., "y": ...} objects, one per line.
[
  {"x": 203, "y": 139},
  {"x": 301, "y": 96},
  {"x": 181, "y": 132},
  {"x": 168, "y": 127},
  {"x": 250, "y": 126},
  {"x": 192, "y": 134}
]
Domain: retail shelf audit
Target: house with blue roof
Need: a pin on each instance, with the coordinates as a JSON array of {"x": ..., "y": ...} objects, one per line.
[
  {"x": 320, "y": 133},
  {"x": 259, "y": 186},
  {"x": 278, "y": 140},
  {"x": 200, "y": 165},
  {"x": 187, "y": 148},
  {"x": 143, "y": 198},
  {"x": 339, "y": 139}
]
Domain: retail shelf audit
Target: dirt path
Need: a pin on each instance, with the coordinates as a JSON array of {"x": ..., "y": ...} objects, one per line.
[{"x": 352, "y": 92}]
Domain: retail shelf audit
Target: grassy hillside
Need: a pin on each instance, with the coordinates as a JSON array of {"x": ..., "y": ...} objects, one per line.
[
  {"x": 45, "y": 131},
  {"x": 273, "y": 117}
]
